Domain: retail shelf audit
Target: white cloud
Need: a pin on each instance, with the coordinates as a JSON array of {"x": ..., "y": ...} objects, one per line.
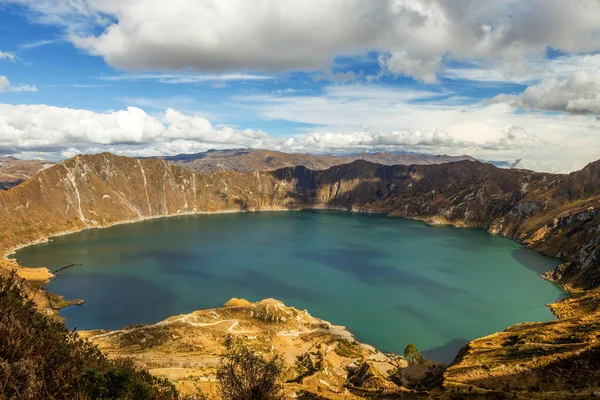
[
  {"x": 580, "y": 94},
  {"x": 346, "y": 119},
  {"x": 4, "y": 83},
  {"x": 27, "y": 127},
  {"x": 424, "y": 69},
  {"x": 6, "y": 86},
  {"x": 535, "y": 69},
  {"x": 273, "y": 35},
  {"x": 40, "y": 43},
  {"x": 23, "y": 88},
  {"x": 552, "y": 142},
  {"x": 7, "y": 56}
]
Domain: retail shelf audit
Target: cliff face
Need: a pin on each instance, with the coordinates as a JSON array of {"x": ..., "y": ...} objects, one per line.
[
  {"x": 554, "y": 214},
  {"x": 558, "y": 215},
  {"x": 100, "y": 190}
]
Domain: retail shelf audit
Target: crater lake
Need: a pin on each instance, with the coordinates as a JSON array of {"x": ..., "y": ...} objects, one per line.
[{"x": 390, "y": 281}]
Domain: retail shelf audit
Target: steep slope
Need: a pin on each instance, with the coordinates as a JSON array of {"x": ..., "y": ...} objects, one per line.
[
  {"x": 557, "y": 215},
  {"x": 95, "y": 191},
  {"x": 249, "y": 160},
  {"x": 554, "y": 214},
  {"x": 550, "y": 360}
]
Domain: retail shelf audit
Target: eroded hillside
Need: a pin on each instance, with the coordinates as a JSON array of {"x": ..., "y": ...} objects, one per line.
[{"x": 554, "y": 214}]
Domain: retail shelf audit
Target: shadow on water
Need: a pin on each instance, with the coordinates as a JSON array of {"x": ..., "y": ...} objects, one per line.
[
  {"x": 180, "y": 263},
  {"x": 200, "y": 266},
  {"x": 363, "y": 265},
  {"x": 111, "y": 300},
  {"x": 425, "y": 318},
  {"x": 443, "y": 266},
  {"x": 536, "y": 262},
  {"x": 447, "y": 352}
]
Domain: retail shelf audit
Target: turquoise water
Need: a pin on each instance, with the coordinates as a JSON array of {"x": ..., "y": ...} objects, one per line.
[{"x": 391, "y": 281}]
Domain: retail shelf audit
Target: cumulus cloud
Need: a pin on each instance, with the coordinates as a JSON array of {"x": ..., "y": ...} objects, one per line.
[
  {"x": 6, "y": 86},
  {"x": 579, "y": 94},
  {"x": 492, "y": 131},
  {"x": 369, "y": 141},
  {"x": 41, "y": 127},
  {"x": 344, "y": 119},
  {"x": 274, "y": 35},
  {"x": 517, "y": 137},
  {"x": 424, "y": 69}
]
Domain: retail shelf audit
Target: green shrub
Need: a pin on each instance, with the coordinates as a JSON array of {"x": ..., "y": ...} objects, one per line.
[
  {"x": 412, "y": 354},
  {"x": 41, "y": 358},
  {"x": 245, "y": 375},
  {"x": 346, "y": 349}
]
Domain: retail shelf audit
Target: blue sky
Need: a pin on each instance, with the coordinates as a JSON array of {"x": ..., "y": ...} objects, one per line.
[{"x": 150, "y": 77}]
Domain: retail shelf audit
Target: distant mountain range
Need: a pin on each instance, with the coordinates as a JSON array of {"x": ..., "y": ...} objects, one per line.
[
  {"x": 250, "y": 160},
  {"x": 14, "y": 171}
]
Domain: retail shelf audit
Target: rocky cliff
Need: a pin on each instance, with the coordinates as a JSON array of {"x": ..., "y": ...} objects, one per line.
[
  {"x": 554, "y": 214},
  {"x": 100, "y": 190},
  {"x": 558, "y": 215}
]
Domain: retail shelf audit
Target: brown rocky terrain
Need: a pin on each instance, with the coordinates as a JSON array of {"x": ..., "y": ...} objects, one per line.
[
  {"x": 250, "y": 160},
  {"x": 14, "y": 171},
  {"x": 554, "y": 214},
  {"x": 319, "y": 358}
]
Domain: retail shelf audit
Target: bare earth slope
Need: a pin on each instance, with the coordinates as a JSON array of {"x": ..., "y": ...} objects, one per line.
[
  {"x": 249, "y": 160},
  {"x": 554, "y": 214}
]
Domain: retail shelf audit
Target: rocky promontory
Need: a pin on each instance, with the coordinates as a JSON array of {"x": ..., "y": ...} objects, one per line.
[{"x": 319, "y": 358}]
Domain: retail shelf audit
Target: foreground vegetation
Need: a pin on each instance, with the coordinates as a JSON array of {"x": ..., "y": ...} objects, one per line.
[
  {"x": 245, "y": 375},
  {"x": 41, "y": 358}
]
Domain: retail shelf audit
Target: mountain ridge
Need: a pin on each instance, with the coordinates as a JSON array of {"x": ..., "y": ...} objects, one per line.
[
  {"x": 99, "y": 190},
  {"x": 252, "y": 160},
  {"x": 558, "y": 215}
]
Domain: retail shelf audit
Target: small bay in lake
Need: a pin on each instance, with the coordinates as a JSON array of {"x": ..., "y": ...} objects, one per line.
[{"x": 390, "y": 281}]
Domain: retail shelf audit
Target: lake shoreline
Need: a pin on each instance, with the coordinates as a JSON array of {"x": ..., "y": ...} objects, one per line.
[
  {"x": 439, "y": 221},
  {"x": 155, "y": 229}
]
